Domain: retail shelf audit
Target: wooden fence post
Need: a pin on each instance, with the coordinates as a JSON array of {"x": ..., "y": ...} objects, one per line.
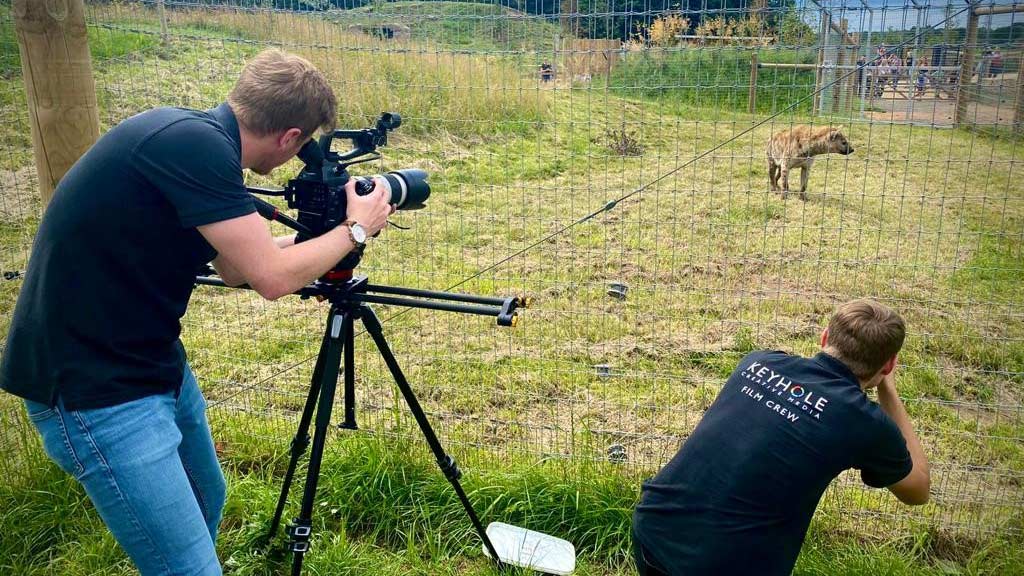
[
  {"x": 57, "y": 69},
  {"x": 162, "y": 11},
  {"x": 1018, "y": 110},
  {"x": 752, "y": 95},
  {"x": 966, "y": 67},
  {"x": 819, "y": 75}
]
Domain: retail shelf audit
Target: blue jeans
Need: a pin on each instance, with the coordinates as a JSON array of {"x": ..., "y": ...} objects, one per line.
[{"x": 150, "y": 468}]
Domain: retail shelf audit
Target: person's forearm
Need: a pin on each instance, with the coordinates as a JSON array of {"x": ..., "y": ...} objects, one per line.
[
  {"x": 299, "y": 264},
  {"x": 285, "y": 241},
  {"x": 231, "y": 276},
  {"x": 890, "y": 402}
]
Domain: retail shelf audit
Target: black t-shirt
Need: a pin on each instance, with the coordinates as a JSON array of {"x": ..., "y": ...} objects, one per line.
[
  {"x": 114, "y": 260},
  {"x": 739, "y": 495}
]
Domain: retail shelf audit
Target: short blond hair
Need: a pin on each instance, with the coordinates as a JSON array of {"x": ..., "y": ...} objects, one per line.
[
  {"x": 278, "y": 91},
  {"x": 864, "y": 335}
]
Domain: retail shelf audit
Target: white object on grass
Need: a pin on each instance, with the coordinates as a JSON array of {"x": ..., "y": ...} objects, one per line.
[{"x": 528, "y": 549}]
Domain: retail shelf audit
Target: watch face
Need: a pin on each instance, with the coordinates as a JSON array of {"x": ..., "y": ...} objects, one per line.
[{"x": 358, "y": 233}]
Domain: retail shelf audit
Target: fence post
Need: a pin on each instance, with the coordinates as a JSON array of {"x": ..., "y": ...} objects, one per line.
[
  {"x": 163, "y": 20},
  {"x": 839, "y": 86},
  {"x": 966, "y": 66},
  {"x": 1018, "y": 112},
  {"x": 57, "y": 69},
  {"x": 752, "y": 95},
  {"x": 819, "y": 74}
]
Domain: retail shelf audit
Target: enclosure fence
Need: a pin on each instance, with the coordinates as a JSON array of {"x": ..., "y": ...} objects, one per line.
[{"x": 530, "y": 116}]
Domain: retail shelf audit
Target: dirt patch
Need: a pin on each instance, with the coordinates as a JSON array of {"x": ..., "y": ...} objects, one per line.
[{"x": 996, "y": 106}]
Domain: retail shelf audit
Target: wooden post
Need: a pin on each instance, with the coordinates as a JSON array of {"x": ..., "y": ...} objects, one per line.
[
  {"x": 819, "y": 75},
  {"x": 752, "y": 95},
  {"x": 57, "y": 69},
  {"x": 163, "y": 20},
  {"x": 1018, "y": 111},
  {"x": 850, "y": 43},
  {"x": 839, "y": 85},
  {"x": 966, "y": 67}
]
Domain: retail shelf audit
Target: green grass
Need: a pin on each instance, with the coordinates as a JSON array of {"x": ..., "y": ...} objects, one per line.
[
  {"x": 104, "y": 44},
  {"x": 385, "y": 506},
  {"x": 457, "y": 25},
  {"x": 715, "y": 78}
]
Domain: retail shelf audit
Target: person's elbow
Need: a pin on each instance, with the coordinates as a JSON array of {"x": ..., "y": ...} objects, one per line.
[
  {"x": 916, "y": 499},
  {"x": 920, "y": 496},
  {"x": 914, "y": 490},
  {"x": 269, "y": 284},
  {"x": 227, "y": 274},
  {"x": 271, "y": 288},
  {"x": 232, "y": 281}
]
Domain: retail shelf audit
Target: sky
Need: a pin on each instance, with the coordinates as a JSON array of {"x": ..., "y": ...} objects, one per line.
[{"x": 902, "y": 15}]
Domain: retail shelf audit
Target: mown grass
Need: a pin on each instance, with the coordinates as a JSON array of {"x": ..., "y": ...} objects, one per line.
[{"x": 928, "y": 220}]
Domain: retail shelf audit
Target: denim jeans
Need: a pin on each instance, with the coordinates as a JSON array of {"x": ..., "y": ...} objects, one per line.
[{"x": 150, "y": 468}]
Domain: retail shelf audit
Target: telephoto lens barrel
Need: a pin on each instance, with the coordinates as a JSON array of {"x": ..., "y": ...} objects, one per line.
[{"x": 408, "y": 187}]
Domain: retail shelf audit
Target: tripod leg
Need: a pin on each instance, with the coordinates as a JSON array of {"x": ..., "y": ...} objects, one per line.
[
  {"x": 444, "y": 461},
  {"x": 301, "y": 440},
  {"x": 300, "y": 529},
  {"x": 350, "y": 379}
]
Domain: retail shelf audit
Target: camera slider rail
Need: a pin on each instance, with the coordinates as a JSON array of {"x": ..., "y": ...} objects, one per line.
[{"x": 359, "y": 290}]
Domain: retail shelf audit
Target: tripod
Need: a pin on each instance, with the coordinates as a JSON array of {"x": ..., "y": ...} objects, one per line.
[{"x": 348, "y": 304}]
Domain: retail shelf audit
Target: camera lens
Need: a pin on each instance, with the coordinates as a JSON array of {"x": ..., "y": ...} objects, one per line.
[
  {"x": 408, "y": 188},
  {"x": 412, "y": 190}
]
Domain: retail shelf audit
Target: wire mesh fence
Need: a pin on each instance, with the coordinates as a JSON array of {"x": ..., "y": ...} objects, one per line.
[{"x": 532, "y": 116}]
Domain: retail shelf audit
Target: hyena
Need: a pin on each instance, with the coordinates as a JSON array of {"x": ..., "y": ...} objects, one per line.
[{"x": 798, "y": 147}]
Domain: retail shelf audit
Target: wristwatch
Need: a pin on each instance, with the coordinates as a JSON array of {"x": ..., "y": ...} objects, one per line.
[{"x": 356, "y": 233}]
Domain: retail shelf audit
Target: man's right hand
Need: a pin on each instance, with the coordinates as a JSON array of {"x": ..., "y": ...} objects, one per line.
[
  {"x": 370, "y": 211},
  {"x": 915, "y": 487},
  {"x": 888, "y": 382}
]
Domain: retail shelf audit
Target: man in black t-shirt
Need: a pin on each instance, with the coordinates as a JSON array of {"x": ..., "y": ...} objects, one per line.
[
  {"x": 739, "y": 495},
  {"x": 93, "y": 346}
]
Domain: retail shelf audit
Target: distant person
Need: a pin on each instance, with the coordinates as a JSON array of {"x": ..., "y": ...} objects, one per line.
[
  {"x": 995, "y": 66},
  {"x": 861, "y": 63},
  {"x": 895, "y": 70},
  {"x": 546, "y": 72},
  {"x": 921, "y": 82},
  {"x": 984, "y": 65}
]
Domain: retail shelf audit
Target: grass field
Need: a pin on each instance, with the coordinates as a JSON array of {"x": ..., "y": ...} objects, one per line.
[{"x": 930, "y": 221}]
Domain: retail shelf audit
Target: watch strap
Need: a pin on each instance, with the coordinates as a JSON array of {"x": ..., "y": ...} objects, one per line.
[{"x": 352, "y": 237}]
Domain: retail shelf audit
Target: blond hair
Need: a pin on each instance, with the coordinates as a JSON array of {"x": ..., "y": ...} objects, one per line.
[
  {"x": 864, "y": 335},
  {"x": 278, "y": 91}
]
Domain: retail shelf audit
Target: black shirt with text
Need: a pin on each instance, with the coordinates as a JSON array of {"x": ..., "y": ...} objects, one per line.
[{"x": 739, "y": 495}]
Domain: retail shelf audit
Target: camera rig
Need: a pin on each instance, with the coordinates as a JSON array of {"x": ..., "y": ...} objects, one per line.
[
  {"x": 319, "y": 196},
  {"x": 318, "y": 192}
]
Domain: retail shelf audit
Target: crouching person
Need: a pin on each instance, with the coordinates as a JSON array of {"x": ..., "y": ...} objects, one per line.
[{"x": 739, "y": 495}]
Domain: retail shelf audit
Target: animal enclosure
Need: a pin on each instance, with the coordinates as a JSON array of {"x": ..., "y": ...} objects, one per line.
[{"x": 628, "y": 195}]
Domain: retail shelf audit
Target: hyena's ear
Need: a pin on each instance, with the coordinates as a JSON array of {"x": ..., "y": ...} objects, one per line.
[{"x": 835, "y": 135}]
